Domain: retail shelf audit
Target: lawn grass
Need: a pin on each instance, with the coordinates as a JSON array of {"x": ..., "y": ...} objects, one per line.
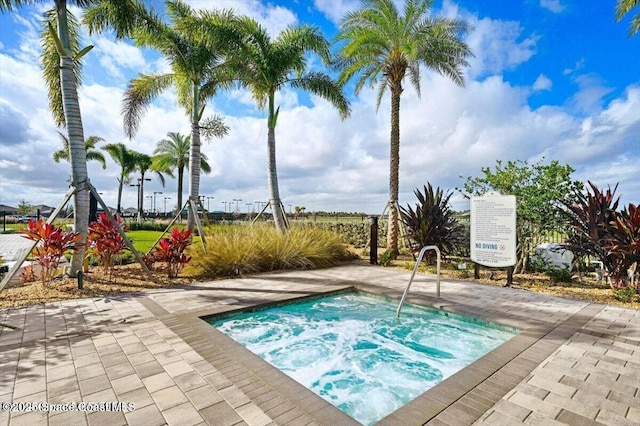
[{"x": 143, "y": 240}]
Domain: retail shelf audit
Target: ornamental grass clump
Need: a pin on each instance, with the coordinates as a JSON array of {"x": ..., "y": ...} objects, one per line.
[
  {"x": 239, "y": 250},
  {"x": 52, "y": 243}
]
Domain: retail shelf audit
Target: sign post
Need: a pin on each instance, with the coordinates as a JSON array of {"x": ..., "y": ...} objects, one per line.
[{"x": 493, "y": 230}]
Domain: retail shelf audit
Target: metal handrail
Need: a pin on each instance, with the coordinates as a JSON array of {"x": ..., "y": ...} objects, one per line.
[{"x": 413, "y": 274}]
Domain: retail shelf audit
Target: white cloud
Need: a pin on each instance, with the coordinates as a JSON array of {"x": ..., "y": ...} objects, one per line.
[
  {"x": 553, "y": 5},
  {"x": 498, "y": 46},
  {"x": 274, "y": 18},
  {"x": 542, "y": 83},
  {"x": 335, "y": 10},
  {"x": 329, "y": 164},
  {"x": 590, "y": 95},
  {"x": 115, "y": 55}
]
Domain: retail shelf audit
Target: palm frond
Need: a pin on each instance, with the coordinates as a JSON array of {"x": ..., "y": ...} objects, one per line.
[
  {"x": 322, "y": 85},
  {"x": 138, "y": 96},
  {"x": 213, "y": 126},
  {"x": 50, "y": 62}
]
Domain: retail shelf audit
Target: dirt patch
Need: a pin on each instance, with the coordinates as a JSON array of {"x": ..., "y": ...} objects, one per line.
[{"x": 126, "y": 279}]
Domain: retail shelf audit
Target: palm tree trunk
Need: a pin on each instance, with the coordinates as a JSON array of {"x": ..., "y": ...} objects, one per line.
[
  {"x": 180, "y": 179},
  {"x": 394, "y": 167},
  {"x": 194, "y": 156},
  {"x": 272, "y": 173},
  {"x": 78, "y": 155},
  {"x": 120, "y": 184}
]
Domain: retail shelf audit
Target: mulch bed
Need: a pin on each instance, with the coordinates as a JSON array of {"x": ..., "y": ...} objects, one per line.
[{"x": 131, "y": 278}]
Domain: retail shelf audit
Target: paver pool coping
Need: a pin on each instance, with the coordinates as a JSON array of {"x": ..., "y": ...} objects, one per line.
[
  {"x": 467, "y": 394},
  {"x": 573, "y": 362}
]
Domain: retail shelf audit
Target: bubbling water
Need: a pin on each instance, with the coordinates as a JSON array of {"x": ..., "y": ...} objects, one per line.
[{"x": 352, "y": 351}]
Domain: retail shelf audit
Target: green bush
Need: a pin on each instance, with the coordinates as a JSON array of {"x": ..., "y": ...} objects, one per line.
[
  {"x": 626, "y": 295},
  {"x": 238, "y": 250},
  {"x": 562, "y": 275},
  {"x": 147, "y": 226}
]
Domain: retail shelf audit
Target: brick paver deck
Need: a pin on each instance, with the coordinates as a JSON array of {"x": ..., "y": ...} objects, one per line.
[{"x": 573, "y": 363}]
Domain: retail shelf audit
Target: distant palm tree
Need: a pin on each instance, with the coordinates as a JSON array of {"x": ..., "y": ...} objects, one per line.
[
  {"x": 266, "y": 65},
  {"x": 144, "y": 163},
  {"x": 61, "y": 70},
  {"x": 383, "y": 47},
  {"x": 126, "y": 159},
  {"x": 197, "y": 73},
  {"x": 173, "y": 153},
  {"x": 622, "y": 8},
  {"x": 90, "y": 148}
]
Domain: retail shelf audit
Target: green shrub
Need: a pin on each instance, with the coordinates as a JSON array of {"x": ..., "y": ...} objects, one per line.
[
  {"x": 238, "y": 250},
  {"x": 626, "y": 295},
  {"x": 562, "y": 275},
  {"x": 147, "y": 226}
]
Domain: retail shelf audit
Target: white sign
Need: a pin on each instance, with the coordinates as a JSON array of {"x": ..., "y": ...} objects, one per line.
[{"x": 493, "y": 230}]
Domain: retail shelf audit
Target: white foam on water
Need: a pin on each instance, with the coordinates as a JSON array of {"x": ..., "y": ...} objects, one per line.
[{"x": 350, "y": 349}]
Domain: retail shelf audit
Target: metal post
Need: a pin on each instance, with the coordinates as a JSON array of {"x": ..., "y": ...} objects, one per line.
[
  {"x": 373, "y": 240},
  {"x": 509, "y": 276}
]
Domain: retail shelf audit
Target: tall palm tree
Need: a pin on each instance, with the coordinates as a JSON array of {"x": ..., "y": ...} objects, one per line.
[
  {"x": 197, "y": 73},
  {"x": 61, "y": 69},
  {"x": 173, "y": 153},
  {"x": 382, "y": 46},
  {"x": 622, "y": 8},
  {"x": 126, "y": 159},
  {"x": 265, "y": 65},
  {"x": 90, "y": 148}
]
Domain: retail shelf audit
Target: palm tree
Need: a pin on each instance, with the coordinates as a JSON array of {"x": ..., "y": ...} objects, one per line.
[
  {"x": 173, "y": 153},
  {"x": 61, "y": 69},
  {"x": 266, "y": 65},
  {"x": 383, "y": 47},
  {"x": 126, "y": 159},
  {"x": 90, "y": 148},
  {"x": 197, "y": 73},
  {"x": 622, "y": 8}
]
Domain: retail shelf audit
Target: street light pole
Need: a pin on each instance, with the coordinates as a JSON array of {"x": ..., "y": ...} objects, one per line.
[
  {"x": 237, "y": 200},
  {"x": 154, "y": 200},
  {"x": 209, "y": 199},
  {"x": 225, "y": 205},
  {"x": 165, "y": 204}
]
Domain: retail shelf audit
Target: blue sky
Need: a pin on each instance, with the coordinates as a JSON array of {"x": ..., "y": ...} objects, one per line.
[{"x": 552, "y": 79}]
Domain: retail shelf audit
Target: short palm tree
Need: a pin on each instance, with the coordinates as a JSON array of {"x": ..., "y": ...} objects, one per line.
[
  {"x": 90, "y": 148},
  {"x": 622, "y": 8},
  {"x": 126, "y": 159},
  {"x": 197, "y": 73},
  {"x": 383, "y": 46},
  {"x": 172, "y": 153},
  {"x": 265, "y": 65}
]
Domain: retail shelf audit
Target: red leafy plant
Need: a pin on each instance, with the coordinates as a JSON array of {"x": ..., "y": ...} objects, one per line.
[
  {"x": 599, "y": 230},
  {"x": 171, "y": 250},
  {"x": 105, "y": 242},
  {"x": 623, "y": 243},
  {"x": 52, "y": 243}
]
